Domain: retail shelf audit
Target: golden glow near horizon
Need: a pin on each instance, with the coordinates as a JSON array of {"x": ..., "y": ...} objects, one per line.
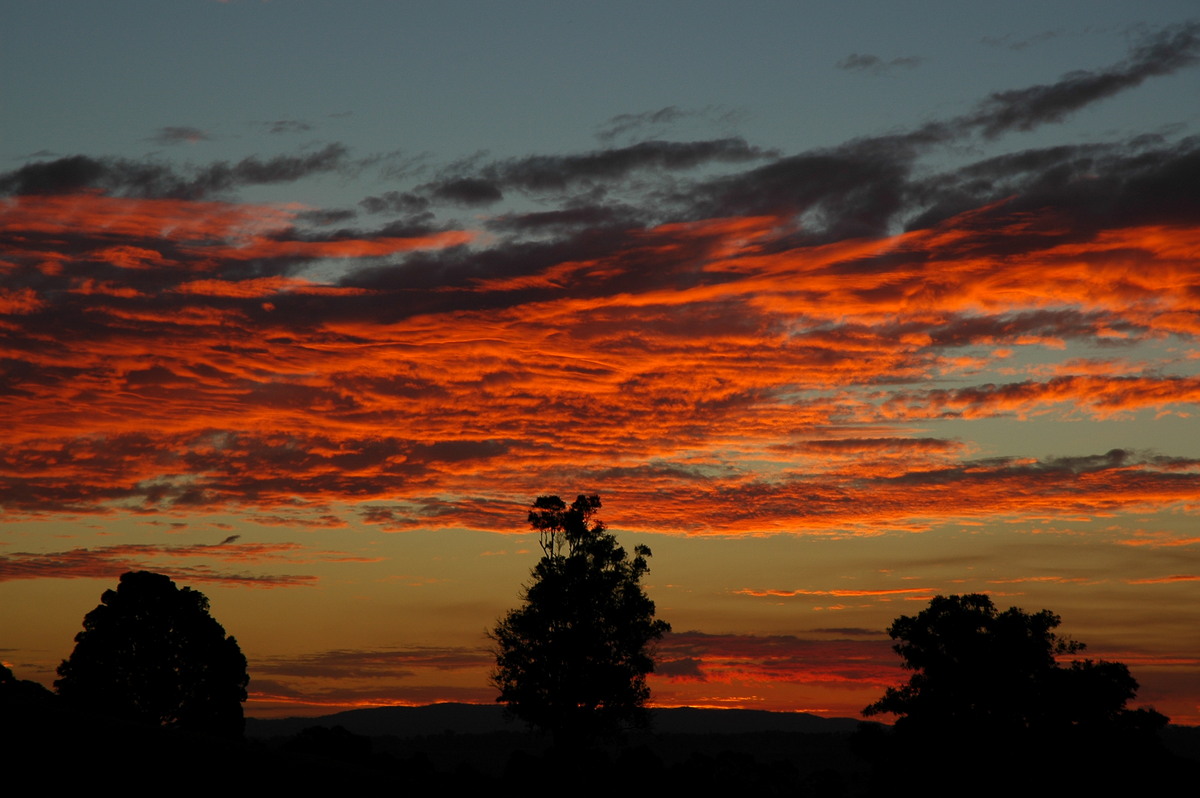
[{"x": 823, "y": 387}]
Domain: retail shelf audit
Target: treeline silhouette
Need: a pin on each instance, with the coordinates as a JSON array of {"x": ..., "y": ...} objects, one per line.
[{"x": 155, "y": 684}]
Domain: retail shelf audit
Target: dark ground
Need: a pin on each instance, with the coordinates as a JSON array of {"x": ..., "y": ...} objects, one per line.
[{"x": 761, "y": 754}]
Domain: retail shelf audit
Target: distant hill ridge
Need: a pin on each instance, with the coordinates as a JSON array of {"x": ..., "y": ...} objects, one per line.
[{"x": 481, "y": 718}]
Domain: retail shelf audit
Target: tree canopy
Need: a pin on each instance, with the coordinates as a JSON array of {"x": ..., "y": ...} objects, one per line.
[
  {"x": 977, "y": 669},
  {"x": 573, "y": 658},
  {"x": 150, "y": 652}
]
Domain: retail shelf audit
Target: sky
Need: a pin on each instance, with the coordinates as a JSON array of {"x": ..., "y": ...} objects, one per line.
[{"x": 838, "y": 307}]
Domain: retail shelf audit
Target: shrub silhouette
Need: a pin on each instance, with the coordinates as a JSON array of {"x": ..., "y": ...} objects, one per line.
[
  {"x": 573, "y": 658},
  {"x": 151, "y": 653}
]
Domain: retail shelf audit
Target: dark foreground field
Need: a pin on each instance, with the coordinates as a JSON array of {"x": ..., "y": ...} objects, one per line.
[{"x": 460, "y": 748}]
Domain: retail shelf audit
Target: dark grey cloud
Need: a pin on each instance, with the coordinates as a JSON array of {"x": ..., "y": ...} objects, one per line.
[
  {"x": 1139, "y": 180},
  {"x": 863, "y": 187},
  {"x": 857, "y": 445},
  {"x": 280, "y": 169},
  {"x": 475, "y": 182},
  {"x": 567, "y": 219},
  {"x": 860, "y": 62},
  {"x": 324, "y": 218},
  {"x": 549, "y": 174},
  {"x": 429, "y": 276},
  {"x": 466, "y": 191},
  {"x": 280, "y": 126},
  {"x": 652, "y": 124},
  {"x": 180, "y": 135},
  {"x": 73, "y": 173},
  {"x": 556, "y": 173},
  {"x": 1010, "y": 328},
  {"x": 873, "y": 64},
  {"x": 123, "y": 177},
  {"x": 625, "y": 123},
  {"x": 1119, "y": 464},
  {"x": 396, "y": 202},
  {"x": 374, "y": 514},
  {"x": 848, "y": 191},
  {"x": 1162, "y": 53}
]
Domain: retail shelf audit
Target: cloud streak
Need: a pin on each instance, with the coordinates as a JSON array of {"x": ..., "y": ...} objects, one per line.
[{"x": 108, "y": 562}]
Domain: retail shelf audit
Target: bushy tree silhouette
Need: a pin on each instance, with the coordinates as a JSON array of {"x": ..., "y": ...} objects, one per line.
[
  {"x": 976, "y": 668},
  {"x": 151, "y": 652},
  {"x": 988, "y": 696},
  {"x": 573, "y": 658}
]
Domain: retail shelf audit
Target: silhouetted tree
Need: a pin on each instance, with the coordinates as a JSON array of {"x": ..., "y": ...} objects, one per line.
[
  {"x": 573, "y": 658},
  {"x": 987, "y": 688},
  {"x": 150, "y": 652},
  {"x": 978, "y": 668}
]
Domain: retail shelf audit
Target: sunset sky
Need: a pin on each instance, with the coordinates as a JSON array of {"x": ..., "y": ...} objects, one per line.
[{"x": 837, "y": 306}]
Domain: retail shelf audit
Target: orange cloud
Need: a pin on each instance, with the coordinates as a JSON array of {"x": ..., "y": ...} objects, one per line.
[
  {"x": 259, "y": 287},
  {"x": 1158, "y": 540},
  {"x": 118, "y": 219},
  {"x": 926, "y": 591},
  {"x": 1165, "y": 580},
  {"x": 715, "y": 375}
]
